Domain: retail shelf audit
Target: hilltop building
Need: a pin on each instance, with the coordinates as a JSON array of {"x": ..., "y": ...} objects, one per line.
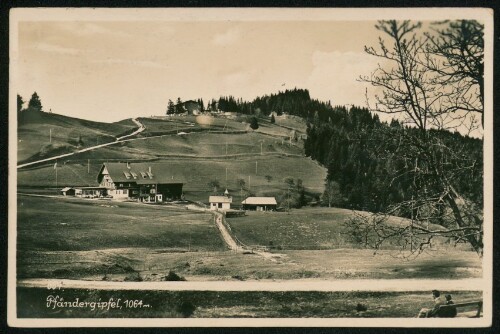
[
  {"x": 260, "y": 203},
  {"x": 139, "y": 181},
  {"x": 220, "y": 202},
  {"x": 191, "y": 107}
]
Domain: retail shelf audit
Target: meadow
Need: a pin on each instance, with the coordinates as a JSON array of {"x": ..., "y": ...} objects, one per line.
[
  {"x": 309, "y": 228},
  {"x": 72, "y": 238},
  {"x": 46, "y": 224}
]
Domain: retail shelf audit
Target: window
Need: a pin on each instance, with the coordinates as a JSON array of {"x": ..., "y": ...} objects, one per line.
[
  {"x": 143, "y": 175},
  {"x": 220, "y": 205},
  {"x": 125, "y": 191},
  {"x": 121, "y": 184}
]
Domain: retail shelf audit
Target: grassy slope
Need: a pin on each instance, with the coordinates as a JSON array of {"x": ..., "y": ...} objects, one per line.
[
  {"x": 214, "y": 304},
  {"x": 307, "y": 228},
  {"x": 49, "y": 225},
  {"x": 33, "y": 135},
  {"x": 196, "y": 173},
  {"x": 279, "y": 160}
]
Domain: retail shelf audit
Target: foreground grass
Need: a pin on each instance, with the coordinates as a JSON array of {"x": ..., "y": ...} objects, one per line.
[
  {"x": 152, "y": 264},
  {"x": 68, "y": 238},
  {"x": 32, "y": 303}
]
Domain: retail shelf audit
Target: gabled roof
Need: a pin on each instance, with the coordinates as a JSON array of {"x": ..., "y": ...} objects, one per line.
[
  {"x": 260, "y": 201},
  {"x": 220, "y": 199},
  {"x": 66, "y": 188},
  {"x": 139, "y": 173}
]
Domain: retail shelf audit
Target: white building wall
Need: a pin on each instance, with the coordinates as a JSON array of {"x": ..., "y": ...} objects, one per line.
[
  {"x": 119, "y": 193},
  {"x": 220, "y": 206}
]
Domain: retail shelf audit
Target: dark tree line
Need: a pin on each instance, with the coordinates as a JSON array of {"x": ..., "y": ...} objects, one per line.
[
  {"x": 34, "y": 106},
  {"x": 373, "y": 162}
]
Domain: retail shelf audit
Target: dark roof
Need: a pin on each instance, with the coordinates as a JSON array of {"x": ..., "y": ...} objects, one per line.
[{"x": 139, "y": 173}]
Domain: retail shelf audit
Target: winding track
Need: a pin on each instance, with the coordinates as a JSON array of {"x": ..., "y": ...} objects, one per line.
[{"x": 140, "y": 128}]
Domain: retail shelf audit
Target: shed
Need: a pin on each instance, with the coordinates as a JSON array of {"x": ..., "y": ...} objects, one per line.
[
  {"x": 68, "y": 191},
  {"x": 260, "y": 203}
]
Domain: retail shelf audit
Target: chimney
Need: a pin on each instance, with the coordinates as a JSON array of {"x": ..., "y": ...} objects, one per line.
[{"x": 128, "y": 165}]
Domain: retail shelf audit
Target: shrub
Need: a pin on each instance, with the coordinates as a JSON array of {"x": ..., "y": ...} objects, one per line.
[
  {"x": 135, "y": 277},
  {"x": 172, "y": 276},
  {"x": 186, "y": 308}
]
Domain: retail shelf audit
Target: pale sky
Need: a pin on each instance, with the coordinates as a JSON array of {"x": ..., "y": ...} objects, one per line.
[{"x": 109, "y": 71}]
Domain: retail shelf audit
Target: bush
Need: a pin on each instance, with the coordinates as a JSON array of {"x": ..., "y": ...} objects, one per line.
[
  {"x": 135, "y": 277},
  {"x": 254, "y": 123},
  {"x": 186, "y": 308},
  {"x": 172, "y": 276}
]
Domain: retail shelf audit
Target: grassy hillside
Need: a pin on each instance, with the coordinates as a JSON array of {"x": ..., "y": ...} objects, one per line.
[
  {"x": 34, "y": 134},
  {"x": 213, "y": 144},
  {"x": 174, "y": 124},
  {"x": 196, "y": 158},
  {"x": 196, "y": 174}
]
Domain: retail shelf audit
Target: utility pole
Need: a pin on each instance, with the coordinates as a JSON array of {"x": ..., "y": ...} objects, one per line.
[
  {"x": 50, "y": 135},
  {"x": 88, "y": 166},
  {"x": 412, "y": 207},
  {"x": 226, "y": 148},
  {"x": 55, "y": 167},
  {"x": 248, "y": 182},
  {"x": 226, "y": 177},
  {"x": 288, "y": 202},
  {"x": 260, "y": 148}
]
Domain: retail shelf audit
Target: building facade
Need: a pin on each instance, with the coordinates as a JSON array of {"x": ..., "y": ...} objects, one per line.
[
  {"x": 139, "y": 181},
  {"x": 260, "y": 204},
  {"x": 220, "y": 203}
]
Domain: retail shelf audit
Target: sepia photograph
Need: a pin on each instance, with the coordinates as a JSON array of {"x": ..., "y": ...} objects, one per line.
[{"x": 189, "y": 167}]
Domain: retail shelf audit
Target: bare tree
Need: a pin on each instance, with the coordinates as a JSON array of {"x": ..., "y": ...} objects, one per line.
[
  {"x": 418, "y": 94},
  {"x": 332, "y": 194},
  {"x": 455, "y": 52}
]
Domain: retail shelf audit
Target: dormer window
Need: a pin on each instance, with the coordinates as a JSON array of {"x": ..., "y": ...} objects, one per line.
[
  {"x": 134, "y": 175},
  {"x": 127, "y": 175},
  {"x": 150, "y": 175},
  {"x": 143, "y": 175}
]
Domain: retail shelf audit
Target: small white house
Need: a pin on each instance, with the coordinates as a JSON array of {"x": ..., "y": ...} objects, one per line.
[{"x": 220, "y": 202}]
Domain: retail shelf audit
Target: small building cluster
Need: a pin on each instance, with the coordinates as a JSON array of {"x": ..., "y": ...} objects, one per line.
[
  {"x": 223, "y": 203},
  {"x": 139, "y": 181},
  {"x": 131, "y": 181}
]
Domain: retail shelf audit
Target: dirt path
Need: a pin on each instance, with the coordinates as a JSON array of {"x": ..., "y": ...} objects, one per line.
[
  {"x": 228, "y": 239},
  {"x": 282, "y": 285},
  {"x": 118, "y": 140}
]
